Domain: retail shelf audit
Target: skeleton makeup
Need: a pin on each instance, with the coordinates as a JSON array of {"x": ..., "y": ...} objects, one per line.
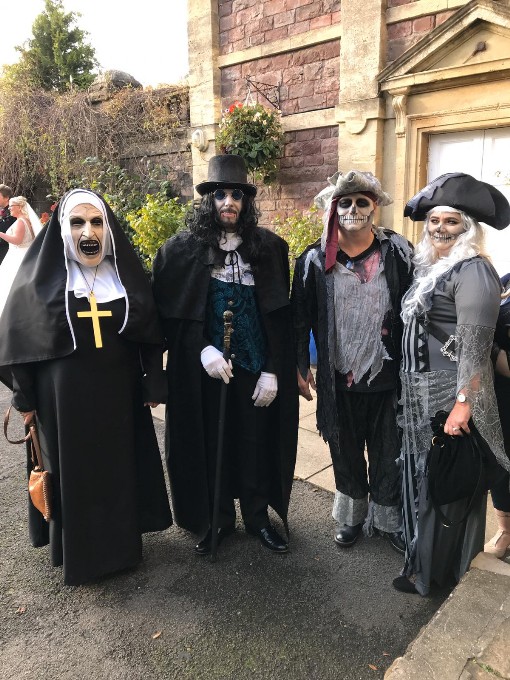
[
  {"x": 444, "y": 226},
  {"x": 355, "y": 211}
]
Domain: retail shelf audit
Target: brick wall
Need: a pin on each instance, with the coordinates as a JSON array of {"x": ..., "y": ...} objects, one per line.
[
  {"x": 404, "y": 34},
  {"x": 246, "y": 23},
  {"x": 311, "y": 156},
  {"x": 309, "y": 78}
]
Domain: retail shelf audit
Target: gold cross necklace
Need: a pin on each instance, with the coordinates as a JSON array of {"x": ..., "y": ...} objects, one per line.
[{"x": 94, "y": 313}]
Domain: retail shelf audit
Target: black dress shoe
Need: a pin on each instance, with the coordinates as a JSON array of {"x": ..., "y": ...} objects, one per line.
[
  {"x": 269, "y": 538},
  {"x": 347, "y": 536},
  {"x": 396, "y": 540},
  {"x": 204, "y": 546},
  {"x": 404, "y": 585}
]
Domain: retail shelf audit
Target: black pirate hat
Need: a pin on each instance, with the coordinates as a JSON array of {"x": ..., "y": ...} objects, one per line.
[
  {"x": 478, "y": 199},
  {"x": 226, "y": 171}
]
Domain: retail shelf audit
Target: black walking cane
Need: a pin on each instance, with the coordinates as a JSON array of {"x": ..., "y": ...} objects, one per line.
[{"x": 227, "y": 332}]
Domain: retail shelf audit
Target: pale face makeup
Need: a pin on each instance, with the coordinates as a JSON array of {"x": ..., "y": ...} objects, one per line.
[
  {"x": 87, "y": 233},
  {"x": 355, "y": 212},
  {"x": 444, "y": 228},
  {"x": 228, "y": 210}
]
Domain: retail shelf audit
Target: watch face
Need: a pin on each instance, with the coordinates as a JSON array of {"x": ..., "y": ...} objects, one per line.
[{"x": 461, "y": 398}]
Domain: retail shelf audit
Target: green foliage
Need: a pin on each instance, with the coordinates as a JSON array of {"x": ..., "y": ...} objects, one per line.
[
  {"x": 256, "y": 134},
  {"x": 154, "y": 222},
  {"x": 57, "y": 56},
  {"x": 122, "y": 188},
  {"x": 127, "y": 193},
  {"x": 299, "y": 230}
]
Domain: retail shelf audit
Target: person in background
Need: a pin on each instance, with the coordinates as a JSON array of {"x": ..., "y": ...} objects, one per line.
[
  {"x": 225, "y": 261},
  {"x": 81, "y": 337},
  {"x": 348, "y": 288},
  {"x": 449, "y": 316},
  {"x": 499, "y": 544},
  {"x": 6, "y": 219},
  {"x": 19, "y": 236}
]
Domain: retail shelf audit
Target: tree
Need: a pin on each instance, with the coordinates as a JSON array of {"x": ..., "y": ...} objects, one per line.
[{"x": 57, "y": 56}]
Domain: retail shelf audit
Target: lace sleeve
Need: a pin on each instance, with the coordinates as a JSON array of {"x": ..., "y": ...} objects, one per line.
[
  {"x": 474, "y": 345},
  {"x": 475, "y": 378}
]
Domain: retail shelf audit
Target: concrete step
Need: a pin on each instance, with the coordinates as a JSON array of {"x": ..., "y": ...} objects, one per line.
[{"x": 469, "y": 636}]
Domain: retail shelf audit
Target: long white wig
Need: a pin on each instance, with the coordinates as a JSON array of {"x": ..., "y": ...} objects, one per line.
[{"x": 429, "y": 265}]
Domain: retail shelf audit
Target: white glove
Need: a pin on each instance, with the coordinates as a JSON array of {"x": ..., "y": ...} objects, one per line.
[
  {"x": 215, "y": 365},
  {"x": 266, "y": 389}
]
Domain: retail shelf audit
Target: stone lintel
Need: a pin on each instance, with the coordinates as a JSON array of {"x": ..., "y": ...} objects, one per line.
[
  {"x": 309, "y": 120},
  {"x": 295, "y": 42},
  {"x": 470, "y": 73},
  {"x": 420, "y": 8},
  {"x": 453, "y": 30}
]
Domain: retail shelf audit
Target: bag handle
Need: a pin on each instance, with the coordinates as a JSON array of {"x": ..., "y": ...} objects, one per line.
[
  {"x": 6, "y": 423},
  {"x": 35, "y": 447},
  {"x": 448, "y": 523}
]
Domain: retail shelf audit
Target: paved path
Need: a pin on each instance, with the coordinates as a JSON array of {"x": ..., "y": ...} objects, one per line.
[{"x": 319, "y": 612}]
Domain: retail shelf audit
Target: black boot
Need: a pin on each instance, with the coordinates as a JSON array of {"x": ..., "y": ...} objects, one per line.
[{"x": 347, "y": 536}]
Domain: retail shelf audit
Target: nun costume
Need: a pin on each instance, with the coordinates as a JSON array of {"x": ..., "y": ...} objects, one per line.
[{"x": 80, "y": 336}]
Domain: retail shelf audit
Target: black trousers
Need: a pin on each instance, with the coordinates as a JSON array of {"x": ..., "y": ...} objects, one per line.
[
  {"x": 246, "y": 469},
  {"x": 367, "y": 419}
]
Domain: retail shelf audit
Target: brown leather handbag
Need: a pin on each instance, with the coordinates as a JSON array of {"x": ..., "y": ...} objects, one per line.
[{"x": 39, "y": 481}]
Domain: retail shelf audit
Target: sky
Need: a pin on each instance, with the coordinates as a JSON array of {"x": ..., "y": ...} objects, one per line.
[{"x": 149, "y": 42}]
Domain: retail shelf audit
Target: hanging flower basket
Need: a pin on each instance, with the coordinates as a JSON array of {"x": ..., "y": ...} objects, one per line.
[{"x": 254, "y": 133}]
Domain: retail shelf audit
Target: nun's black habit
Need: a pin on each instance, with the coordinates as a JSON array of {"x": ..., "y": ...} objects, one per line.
[{"x": 97, "y": 438}]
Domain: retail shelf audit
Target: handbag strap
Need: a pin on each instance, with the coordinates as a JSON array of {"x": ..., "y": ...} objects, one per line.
[
  {"x": 35, "y": 447},
  {"x": 441, "y": 335},
  {"x": 6, "y": 424},
  {"x": 479, "y": 488},
  {"x": 436, "y": 331}
]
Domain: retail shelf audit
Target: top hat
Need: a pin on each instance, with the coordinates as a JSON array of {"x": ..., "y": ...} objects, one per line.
[
  {"x": 352, "y": 182},
  {"x": 477, "y": 199},
  {"x": 227, "y": 171}
]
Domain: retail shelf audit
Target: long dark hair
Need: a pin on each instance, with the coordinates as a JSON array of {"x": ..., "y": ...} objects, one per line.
[{"x": 203, "y": 223}]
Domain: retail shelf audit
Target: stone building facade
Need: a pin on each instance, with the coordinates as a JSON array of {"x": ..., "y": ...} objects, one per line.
[{"x": 369, "y": 85}]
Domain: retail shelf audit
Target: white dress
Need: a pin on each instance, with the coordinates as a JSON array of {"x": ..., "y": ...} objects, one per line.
[{"x": 12, "y": 260}]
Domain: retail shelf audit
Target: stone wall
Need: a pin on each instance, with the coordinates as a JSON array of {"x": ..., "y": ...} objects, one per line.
[
  {"x": 172, "y": 155},
  {"x": 308, "y": 79},
  {"x": 246, "y": 23},
  {"x": 311, "y": 156}
]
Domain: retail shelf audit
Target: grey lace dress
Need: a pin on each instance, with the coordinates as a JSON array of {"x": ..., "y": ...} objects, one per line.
[{"x": 464, "y": 304}]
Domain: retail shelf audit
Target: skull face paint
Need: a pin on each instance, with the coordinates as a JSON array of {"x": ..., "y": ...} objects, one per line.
[
  {"x": 444, "y": 228},
  {"x": 87, "y": 233},
  {"x": 355, "y": 212}
]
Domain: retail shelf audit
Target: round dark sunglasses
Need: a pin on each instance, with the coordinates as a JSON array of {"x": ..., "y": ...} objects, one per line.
[{"x": 221, "y": 194}]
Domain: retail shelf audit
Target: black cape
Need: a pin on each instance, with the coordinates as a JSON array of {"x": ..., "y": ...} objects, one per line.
[
  {"x": 181, "y": 276},
  {"x": 97, "y": 438}
]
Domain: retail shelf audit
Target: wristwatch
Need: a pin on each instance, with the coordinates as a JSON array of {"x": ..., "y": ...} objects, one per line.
[{"x": 461, "y": 397}]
